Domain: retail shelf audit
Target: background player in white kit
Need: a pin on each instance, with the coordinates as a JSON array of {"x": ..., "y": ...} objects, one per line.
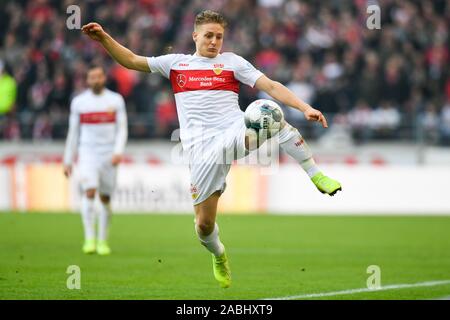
[
  {"x": 206, "y": 86},
  {"x": 98, "y": 131}
]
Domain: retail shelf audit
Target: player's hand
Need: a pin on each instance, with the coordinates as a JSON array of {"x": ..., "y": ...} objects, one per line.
[
  {"x": 94, "y": 31},
  {"x": 116, "y": 159},
  {"x": 312, "y": 114},
  {"x": 67, "y": 170}
]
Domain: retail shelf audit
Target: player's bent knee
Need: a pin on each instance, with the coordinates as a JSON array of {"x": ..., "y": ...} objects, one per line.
[
  {"x": 105, "y": 198},
  {"x": 290, "y": 130},
  {"x": 90, "y": 193},
  {"x": 205, "y": 227},
  {"x": 285, "y": 124}
]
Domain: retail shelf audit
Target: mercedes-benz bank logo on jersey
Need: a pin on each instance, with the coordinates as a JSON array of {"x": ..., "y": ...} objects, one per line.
[
  {"x": 203, "y": 79},
  {"x": 206, "y": 81},
  {"x": 181, "y": 80}
]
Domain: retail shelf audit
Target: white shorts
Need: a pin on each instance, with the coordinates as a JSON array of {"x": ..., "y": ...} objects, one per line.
[
  {"x": 210, "y": 161},
  {"x": 97, "y": 172}
]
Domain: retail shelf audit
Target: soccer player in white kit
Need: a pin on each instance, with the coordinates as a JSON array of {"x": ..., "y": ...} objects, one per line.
[
  {"x": 98, "y": 133},
  {"x": 206, "y": 87}
]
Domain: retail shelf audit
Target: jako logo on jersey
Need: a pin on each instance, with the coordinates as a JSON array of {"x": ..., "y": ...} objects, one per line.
[
  {"x": 181, "y": 80},
  {"x": 218, "y": 68}
]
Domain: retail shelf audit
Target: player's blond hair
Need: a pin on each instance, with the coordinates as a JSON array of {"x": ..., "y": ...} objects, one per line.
[{"x": 209, "y": 16}]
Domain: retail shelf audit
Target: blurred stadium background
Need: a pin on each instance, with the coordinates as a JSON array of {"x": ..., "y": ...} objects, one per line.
[{"x": 385, "y": 92}]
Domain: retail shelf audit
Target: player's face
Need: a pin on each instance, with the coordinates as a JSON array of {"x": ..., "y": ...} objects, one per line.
[
  {"x": 96, "y": 79},
  {"x": 208, "y": 39}
]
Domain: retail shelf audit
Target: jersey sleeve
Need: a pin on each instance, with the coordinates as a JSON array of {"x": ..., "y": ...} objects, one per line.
[
  {"x": 161, "y": 64},
  {"x": 73, "y": 133},
  {"x": 245, "y": 72},
  {"x": 122, "y": 127}
]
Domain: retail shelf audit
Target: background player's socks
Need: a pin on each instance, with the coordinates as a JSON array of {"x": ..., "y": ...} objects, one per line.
[
  {"x": 87, "y": 213},
  {"x": 212, "y": 241},
  {"x": 104, "y": 218},
  {"x": 293, "y": 143}
]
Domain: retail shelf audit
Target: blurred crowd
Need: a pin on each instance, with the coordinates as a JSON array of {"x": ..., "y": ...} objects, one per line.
[{"x": 391, "y": 83}]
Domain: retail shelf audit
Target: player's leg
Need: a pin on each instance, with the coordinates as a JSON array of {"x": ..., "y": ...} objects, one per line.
[
  {"x": 208, "y": 176},
  {"x": 88, "y": 218},
  {"x": 205, "y": 224},
  {"x": 89, "y": 179},
  {"x": 104, "y": 219},
  {"x": 208, "y": 233},
  {"x": 292, "y": 142},
  {"x": 107, "y": 184}
]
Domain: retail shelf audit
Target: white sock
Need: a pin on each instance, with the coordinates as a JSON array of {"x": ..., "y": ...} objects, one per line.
[
  {"x": 293, "y": 143},
  {"x": 87, "y": 215},
  {"x": 212, "y": 241},
  {"x": 104, "y": 219}
]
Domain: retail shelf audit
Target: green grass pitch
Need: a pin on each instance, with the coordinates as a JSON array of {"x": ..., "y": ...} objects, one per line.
[{"x": 159, "y": 257}]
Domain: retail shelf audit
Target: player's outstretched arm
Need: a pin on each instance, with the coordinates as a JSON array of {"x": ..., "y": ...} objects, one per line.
[
  {"x": 279, "y": 92},
  {"x": 118, "y": 52}
]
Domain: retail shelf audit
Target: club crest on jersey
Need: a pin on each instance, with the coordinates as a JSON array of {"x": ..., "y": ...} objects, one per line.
[
  {"x": 218, "y": 68},
  {"x": 181, "y": 80}
]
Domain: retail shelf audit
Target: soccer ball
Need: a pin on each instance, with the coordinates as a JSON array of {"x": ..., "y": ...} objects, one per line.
[{"x": 264, "y": 115}]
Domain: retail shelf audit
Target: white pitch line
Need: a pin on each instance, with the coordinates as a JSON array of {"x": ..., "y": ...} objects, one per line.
[{"x": 352, "y": 291}]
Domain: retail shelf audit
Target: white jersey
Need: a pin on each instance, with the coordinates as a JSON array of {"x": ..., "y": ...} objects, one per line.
[
  {"x": 97, "y": 125},
  {"x": 206, "y": 91}
]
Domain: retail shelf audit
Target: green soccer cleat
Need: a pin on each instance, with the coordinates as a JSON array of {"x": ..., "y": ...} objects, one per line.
[
  {"x": 89, "y": 246},
  {"x": 222, "y": 271},
  {"x": 326, "y": 184},
  {"x": 103, "y": 249}
]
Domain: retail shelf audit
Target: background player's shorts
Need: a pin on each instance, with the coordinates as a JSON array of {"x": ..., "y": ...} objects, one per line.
[
  {"x": 97, "y": 172},
  {"x": 210, "y": 161}
]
